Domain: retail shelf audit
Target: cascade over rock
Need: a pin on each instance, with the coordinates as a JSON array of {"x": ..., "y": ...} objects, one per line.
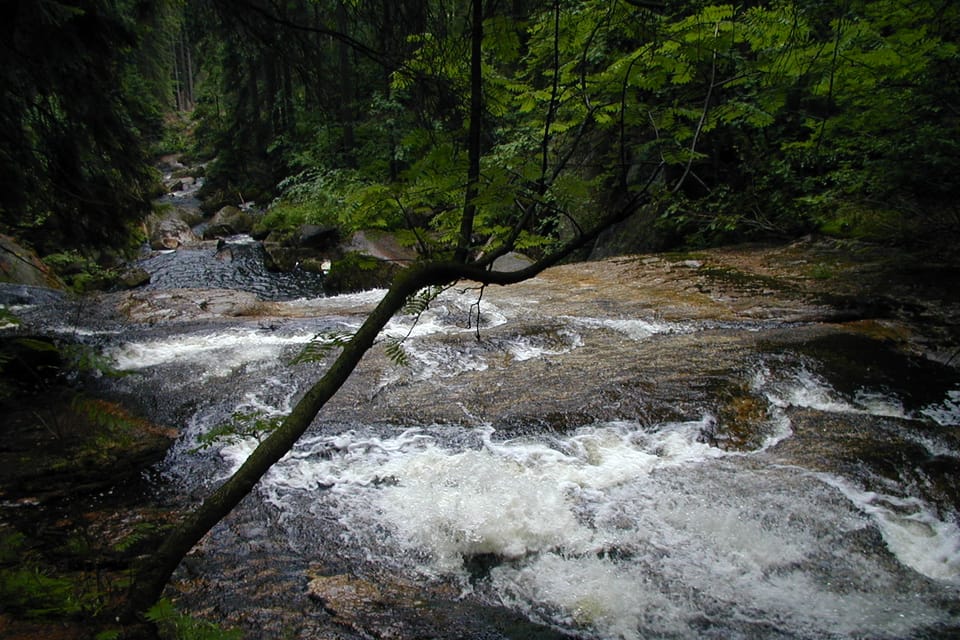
[{"x": 584, "y": 449}]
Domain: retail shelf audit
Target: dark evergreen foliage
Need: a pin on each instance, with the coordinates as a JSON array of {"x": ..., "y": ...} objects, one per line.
[{"x": 76, "y": 117}]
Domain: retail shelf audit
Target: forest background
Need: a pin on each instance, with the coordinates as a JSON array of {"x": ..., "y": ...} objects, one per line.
[{"x": 768, "y": 119}]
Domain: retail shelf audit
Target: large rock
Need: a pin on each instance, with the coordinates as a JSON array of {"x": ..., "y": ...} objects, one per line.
[
  {"x": 22, "y": 266},
  {"x": 134, "y": 277},
  {"x": 357, "y": 271},
  {"x": 189, "y": 304},
  {"x": 169, "y": 232},
  {"x": 279, "y": 257},
  {"x": 228, "y": 221},
  {"x": 314, "y": 236},
  {"x": 382, "y": 245}
]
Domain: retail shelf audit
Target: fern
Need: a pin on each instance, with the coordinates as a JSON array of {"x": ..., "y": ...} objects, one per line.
[
  {"x": 140, "y": 532},
  {"x": 241, "y": 426},
  {"x": 174, "y": 625},
  {"x": 321, "y": 345},
  {"x": 397, "y": 354},
  {"x": 32, "y": 593},
  {"x": 419, "y": 302},
  {"x": 8, "y": 319}
]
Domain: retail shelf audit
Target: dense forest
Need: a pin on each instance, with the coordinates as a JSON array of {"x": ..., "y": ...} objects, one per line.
[{"x": 751, "y": 121}]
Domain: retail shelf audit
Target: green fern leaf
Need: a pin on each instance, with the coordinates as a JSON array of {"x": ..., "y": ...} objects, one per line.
[
  {"x": 321, "y": 346},
  {"x": 397, "y": 354}
]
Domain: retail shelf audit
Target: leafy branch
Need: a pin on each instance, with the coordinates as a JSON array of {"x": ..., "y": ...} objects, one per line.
[
  {"x": 321, "y": 345},
  {"x": 241, "y": 426}
]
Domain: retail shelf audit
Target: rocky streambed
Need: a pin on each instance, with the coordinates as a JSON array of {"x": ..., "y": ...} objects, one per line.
[{"x": 751, "y": 442}]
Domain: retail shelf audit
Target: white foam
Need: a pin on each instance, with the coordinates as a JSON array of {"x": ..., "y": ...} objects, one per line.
[
  {"x": 220, "y": 353},
  {"x": 911, "y": 530},
  {"x": 633, "y": 328},
  {"x": 947, "y": 413},
  {"x": 474, "y": 503},
  {"x": 620, "y": 530},
  {"x": 804, "y": 389},
  {"x": 589, "y": 592},
  {"x": 524, "y": 348},
  {"x": 668, "y": 546}
]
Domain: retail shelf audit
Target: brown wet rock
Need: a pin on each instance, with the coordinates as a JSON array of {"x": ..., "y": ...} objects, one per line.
[
  {"x": 880, "y": 450},
  {"x": 401, "y": 610},
  {"x": 189, "y": 304},
  {"x": 20, "y": 265},
  {"x": 743, "y": 420}
]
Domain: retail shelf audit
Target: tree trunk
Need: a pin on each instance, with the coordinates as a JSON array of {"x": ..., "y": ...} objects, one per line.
[
  {"x": 347, "y": 88},
  {"x": 153, "y": 574},
  {"x": 474, "y": 136}
]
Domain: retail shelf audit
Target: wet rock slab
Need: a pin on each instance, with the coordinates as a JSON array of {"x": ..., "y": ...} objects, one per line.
[
  {"x": 399, "y": 610},
  {"x": 194, "y": 304}
]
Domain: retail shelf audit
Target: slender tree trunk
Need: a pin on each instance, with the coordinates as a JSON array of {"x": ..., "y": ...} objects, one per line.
[
  {"x": 188, "y": 71},
  {"x": 347, "y": 88},
  {"x": 289, "y": 108},
  {"x": 474, "y": 137}
]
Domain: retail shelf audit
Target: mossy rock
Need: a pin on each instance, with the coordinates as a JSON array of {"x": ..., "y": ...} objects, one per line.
[{"x": 19, "y": 265}]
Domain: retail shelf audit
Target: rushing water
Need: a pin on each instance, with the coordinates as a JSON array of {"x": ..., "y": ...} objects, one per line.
[{"x": 610, "y": 475}]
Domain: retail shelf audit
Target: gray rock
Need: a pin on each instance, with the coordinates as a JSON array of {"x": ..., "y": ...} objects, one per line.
[
  {"x": 134, "y": 277},
  {"x": 169, "y": 232},
  {"x": 315, "y": 236},
  {"x": 233, "y": 218}
]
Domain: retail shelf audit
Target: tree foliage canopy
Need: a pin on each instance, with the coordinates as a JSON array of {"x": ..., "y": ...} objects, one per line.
[
  {"x": 85, "y": 87},
  {"x": 777, "y": 117}
]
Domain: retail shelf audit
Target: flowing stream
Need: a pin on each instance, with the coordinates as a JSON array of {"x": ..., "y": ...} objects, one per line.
[{"x": 575, "y": 452}]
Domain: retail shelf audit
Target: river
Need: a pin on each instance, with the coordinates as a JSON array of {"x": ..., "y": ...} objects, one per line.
[{"x": 643, "y": 447}]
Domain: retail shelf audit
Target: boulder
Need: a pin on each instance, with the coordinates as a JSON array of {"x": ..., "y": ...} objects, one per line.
[
  {"x": 168, "y": 232},
  {"x": 133, "y": 277},
  {"x": 278, "y": 257},
  {"x": 240, "y": 219},
  {"x": 316, "y": 265},
  {"x": 228, "y": 221},
  {"x": 512, "y": 261},
  {"x": 314, "y": 236},
  {"x": 191, "y": 215},
  {"x": 357, "y": 271},
  {"x": 19, "y": 265},
  {"x": 189, "y": 304},
  {"x": 218, "y": 231},
  {"x": 382, "y": 245}
]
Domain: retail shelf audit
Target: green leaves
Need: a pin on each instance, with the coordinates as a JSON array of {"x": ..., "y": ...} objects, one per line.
[
  {"x": 174, "y": 624},
  {"x": 321, "y": 346},
  {"x": 241, "y": 426}
]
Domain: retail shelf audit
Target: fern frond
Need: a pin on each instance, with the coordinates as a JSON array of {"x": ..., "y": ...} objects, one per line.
[
  {"x": 242, "y": 425},
  {"x": 321, "y": 345},
  {"x": 397, "y": 354},
  {"x": 419, "y": 302}
]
